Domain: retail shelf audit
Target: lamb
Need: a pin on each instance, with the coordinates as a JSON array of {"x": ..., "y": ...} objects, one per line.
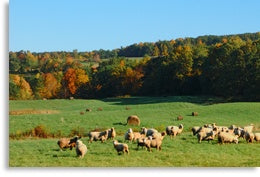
[
  {"x": 174, "y": 130},
  {"x": 153, "y": 143},
  {"x": 120, "y": 147},
  {"x": 257, "y": 136},
  {"x": 249, "y": 137},
  {"x": 140, "y": 142},
  {"x": 111, "y": 133},
  {"x": 81, "y": 149},
  {"x": 206, "y": 136},
  {"x": 129, "y": 135},
  {"x": 98, "y": 136},
  {"x": 148, "y": 132},
  {"x": 224, "y": 137},
  {"x": 65, "y": 143}
]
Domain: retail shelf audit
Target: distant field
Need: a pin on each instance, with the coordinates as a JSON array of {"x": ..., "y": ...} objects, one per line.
[{"x": 157, "y": 112}]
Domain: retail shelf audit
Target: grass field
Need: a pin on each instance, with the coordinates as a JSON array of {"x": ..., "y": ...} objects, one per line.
[{"x": 155, "y": 112}]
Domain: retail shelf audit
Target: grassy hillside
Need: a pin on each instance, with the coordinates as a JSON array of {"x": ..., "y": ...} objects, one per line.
[{"x": 156, "y": 112}]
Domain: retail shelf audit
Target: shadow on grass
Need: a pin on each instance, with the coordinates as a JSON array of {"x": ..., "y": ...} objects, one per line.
[
  {"x": 120, "y": 123},
  {"x": 202, "y": 100}
]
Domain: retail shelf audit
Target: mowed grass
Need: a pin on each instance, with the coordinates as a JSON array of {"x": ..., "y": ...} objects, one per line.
[{"x": 154, "y": 112}]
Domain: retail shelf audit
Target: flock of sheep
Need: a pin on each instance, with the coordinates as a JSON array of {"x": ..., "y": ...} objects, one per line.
[{"x": 151, "y": 138}]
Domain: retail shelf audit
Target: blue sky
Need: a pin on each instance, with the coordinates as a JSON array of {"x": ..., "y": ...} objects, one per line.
[{"x": 85, "y": 25}]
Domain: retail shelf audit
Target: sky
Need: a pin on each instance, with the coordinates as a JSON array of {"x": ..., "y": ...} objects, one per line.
[{"x": 86, "y": 25}]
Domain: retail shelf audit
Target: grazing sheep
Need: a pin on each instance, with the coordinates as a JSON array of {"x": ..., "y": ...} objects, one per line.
[
  {"x": 159, "y": 135},
  {"x": 129, "y": 135},
  {"x": 98, "y": 136},
  {"x": 111, "y": 133},
  {"x": 237, "y": 131},
  {"x": 195, "y": 130},
  {"x": 257, "y": 136},
  {"x": 120, "y": 147},
  {"x": 174, "y": 130},
  {"x": 65, "y": 143},
  {"x": 133, "y": 120},
  {"x": 224, "y": 137},
  {"x": 206, "y": 136},
  {"x": 249, "y": 137},
  {"x": 138, "y": 135},
  {"x": 249, "y": 128},
  {"x": 140, "y": 142},
  {"x": 153, "y": 143},
  {"x": 148, "y": 132},
  {"x": 81, "y": 149}
]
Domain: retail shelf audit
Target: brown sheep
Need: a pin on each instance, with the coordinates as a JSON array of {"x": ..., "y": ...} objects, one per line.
[
  {"x": 65, "y": 143},
  {"x": 153, "y": 143}
]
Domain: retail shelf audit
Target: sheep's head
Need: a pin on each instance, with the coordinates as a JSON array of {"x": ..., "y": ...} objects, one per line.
[
  {"x": 112, "y": 129},
  {"x": 180, "y": 126},
  {"x": 143, "y": 130},
  {"x": 79, "y": 142},
  {"x": 72, "y": 142},
  {"x": 115, "y": 142},
  {"x": 130, "y": 130}
]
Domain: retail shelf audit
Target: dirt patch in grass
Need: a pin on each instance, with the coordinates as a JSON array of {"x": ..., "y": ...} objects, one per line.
[{"x": 31, "y": 111}]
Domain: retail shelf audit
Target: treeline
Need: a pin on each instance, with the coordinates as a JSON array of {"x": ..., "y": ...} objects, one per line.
[{"x": 226, "y": 66}]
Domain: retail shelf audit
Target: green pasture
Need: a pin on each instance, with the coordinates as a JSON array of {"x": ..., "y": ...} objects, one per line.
[{"x": 154, "y": 112}]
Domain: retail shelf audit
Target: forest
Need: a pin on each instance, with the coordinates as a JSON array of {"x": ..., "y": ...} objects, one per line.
[{"x": 226, "y": 66}]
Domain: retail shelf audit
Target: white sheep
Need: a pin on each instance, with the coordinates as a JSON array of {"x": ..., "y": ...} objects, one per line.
[
  {"x": 120, "y": 147},
  {"x": 257, "y": 136},
  {"x": 206, "y": 136},
  {"x": 148, "y": 132},
  {"x": 249, "y": 136},
  {"x": 81, "y": 149},
  {"x": 249, "y": 128},
  {"x": 98, "y": 136},
  {"x": 129, "y": 135},
  {"x": 174, "y": 130},
  {"x": 111, "y": 133},
  {"x": 224, "y": 137}
]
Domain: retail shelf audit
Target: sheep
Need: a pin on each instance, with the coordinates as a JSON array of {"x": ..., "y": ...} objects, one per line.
[
  {"x": 120, "y": 147},
  {"x": 159, "y": 135},
  {"x": 111, "y": 133},
  {"x": 195, "y": 130},
  {"x": 65, "y": 143},
  {"x": 249, "y": 128},
  {"x": 98, "y": 136},
  {"x": 148, "y": 132},
  {"x": 249, "y": 137},
  {"x": 237, "y": 131},
  {"x": 140, "y": 142},
  {"x": 138, "y": 135},
  {"x": 206, "y": 136},
  {"x": 174, "y": 130},
  {"x": 81, "y": 149},
  {"x": 153, "y": 143},
  {"x": 129, "y": 135},
  {"x": 257, "y": 136},
  {"x": 224, "y": 137}
]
